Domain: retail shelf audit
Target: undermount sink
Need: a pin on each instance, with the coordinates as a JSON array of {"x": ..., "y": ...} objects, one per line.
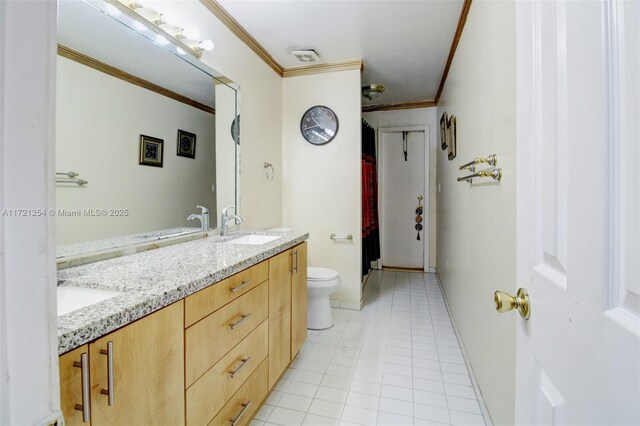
[
  {"x": 255, "y": 240},
  {"x": 73, "y": 298}
]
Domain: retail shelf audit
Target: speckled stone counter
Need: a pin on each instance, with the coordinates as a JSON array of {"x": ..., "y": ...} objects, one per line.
[{"x": 154, "y": 279}]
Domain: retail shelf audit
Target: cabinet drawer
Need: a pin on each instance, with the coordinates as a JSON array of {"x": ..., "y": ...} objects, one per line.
[
  {"x": 209, "y": 339},
  {"x": 248, "y": 398},
  {"x": 211, "y": 391},
  {"x": 204, "y": 302}
]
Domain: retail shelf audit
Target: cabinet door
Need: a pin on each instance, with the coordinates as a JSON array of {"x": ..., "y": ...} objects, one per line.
[
  {"x": 72, "y": 385},
  {"x": 299, "y": 299},
  {"x": 279, "y": 315},
  {"x": 147, "y": 359}
]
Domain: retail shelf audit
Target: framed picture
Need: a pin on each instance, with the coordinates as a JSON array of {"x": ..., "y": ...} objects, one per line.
[
  {"x": 186, "y": 144},
  {"x": 151, "y": 151},
  {"x": 443, "y": 130},
  {"x": 451, "y": 136}
]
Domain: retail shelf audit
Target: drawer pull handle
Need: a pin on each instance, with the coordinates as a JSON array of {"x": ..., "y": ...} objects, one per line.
[
  {"x": 109, "y": 392},
  {"x": 237, "y": 323},
  {"x": 233, "y": 373},
  {"x": 239, "y": 287},
  {"x": 235, "y": 421},
  {"x": 83, "y": 364}
]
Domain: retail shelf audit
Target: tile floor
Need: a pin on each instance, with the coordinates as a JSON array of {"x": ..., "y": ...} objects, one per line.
[{"x": 396, "y": 362}]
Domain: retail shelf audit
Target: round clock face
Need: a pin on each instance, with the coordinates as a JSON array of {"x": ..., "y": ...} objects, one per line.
[
  {"x": 235, "y": 129},
  {"x": 319, "y": 125}
]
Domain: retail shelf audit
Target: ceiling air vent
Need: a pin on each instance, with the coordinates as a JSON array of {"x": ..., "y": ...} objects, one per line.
[{"x": 308, "y": 55}]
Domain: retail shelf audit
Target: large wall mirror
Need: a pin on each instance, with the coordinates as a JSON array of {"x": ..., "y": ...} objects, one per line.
[{"x": 147, "y": 128}]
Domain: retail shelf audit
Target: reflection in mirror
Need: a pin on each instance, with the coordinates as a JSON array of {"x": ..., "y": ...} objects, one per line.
[{"x": 146, "y": 128}]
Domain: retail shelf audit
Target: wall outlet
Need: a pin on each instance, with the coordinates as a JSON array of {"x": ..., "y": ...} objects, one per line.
[
  {"x": 447, "y": 266},
  {"x": 439, "y": 187},
  {"x": 213, "y": 188}
]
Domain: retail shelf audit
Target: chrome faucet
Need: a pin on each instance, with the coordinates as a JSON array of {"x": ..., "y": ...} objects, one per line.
[
  {"x": 203, "y": 217},
  {"x": 225, "y": 218}
]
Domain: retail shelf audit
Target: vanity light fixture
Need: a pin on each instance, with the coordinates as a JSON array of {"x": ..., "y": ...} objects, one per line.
[
  {"x": 163, "y": 25},
  {"x": 372, "y": 91}
]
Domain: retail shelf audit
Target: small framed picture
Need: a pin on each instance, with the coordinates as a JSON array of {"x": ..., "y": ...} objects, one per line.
[
  {"x": 451, "y": 136},
  {"x": 151, "y": 151},
  {"x": 443, "y": 131},
  {"x": 186, "y": 144}
]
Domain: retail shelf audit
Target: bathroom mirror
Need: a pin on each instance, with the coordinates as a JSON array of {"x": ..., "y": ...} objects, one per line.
[{"x": 144, "y": 126}]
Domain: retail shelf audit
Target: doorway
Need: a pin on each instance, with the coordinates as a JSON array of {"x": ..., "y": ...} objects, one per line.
[{"x": 403, "y": 205}]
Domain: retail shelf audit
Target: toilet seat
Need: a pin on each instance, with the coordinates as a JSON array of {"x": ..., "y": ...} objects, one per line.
[{"x": 319, "y": 275}]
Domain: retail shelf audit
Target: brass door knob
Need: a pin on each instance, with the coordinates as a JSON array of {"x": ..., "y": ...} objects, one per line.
[{"x": 506, "y": 302}]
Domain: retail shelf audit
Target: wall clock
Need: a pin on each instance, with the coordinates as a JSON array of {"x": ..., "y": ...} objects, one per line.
[{"x": 319, "y": 125}]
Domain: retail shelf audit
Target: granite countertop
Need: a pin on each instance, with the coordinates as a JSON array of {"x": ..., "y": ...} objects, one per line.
[{"x": 154, "y": 279}]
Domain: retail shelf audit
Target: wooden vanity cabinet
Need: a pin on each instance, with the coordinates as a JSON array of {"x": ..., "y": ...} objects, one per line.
[
  {"x": 147, "y": 359},
  {"x": 298, "y": 298},
  {"x": 287, "y": 308}
]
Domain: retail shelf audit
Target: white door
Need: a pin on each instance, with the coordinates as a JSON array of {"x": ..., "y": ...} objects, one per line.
[
  {"x": 578, "y": 207},
  {"x": 401, "y": 181}
]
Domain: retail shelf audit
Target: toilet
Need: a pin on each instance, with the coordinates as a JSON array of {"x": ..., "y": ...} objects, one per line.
[{"x": 321, "y": 282}]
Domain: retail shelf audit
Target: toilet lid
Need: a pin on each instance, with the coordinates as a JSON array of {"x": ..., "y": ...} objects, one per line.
[{"x": 321, "y": 274}]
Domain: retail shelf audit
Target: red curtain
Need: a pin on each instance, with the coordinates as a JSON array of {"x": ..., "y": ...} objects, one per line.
[{"x": 370, "y": 226}]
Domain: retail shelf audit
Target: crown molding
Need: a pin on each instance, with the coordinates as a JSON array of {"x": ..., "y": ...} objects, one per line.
[
  {"x": 90, "y": 62},
  {"x": 221, "y": 13},
  {"x": 356, "y": 64},
  {"x": 428, "y": 103},
  {"x": 454, "y": 45}
]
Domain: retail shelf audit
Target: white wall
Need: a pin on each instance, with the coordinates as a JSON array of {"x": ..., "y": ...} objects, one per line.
[
  {"x": 97, "y": 135},
  {"x": 476, "y": 240},
  {"x": 322, "y": 184},
  {"x": 29, "y": 389},
  {"x": 260, "y": 108},
  {"x": 416, "y": 117}
]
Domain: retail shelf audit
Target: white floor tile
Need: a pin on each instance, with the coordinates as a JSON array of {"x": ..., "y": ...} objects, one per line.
[
  {"x": 336, "y": 382},
  {"x": 396, "y": 380},
  {"x": 332, "y": 394},
  {"x": 459, "y": 418},
  {"x": 463, "y": 404},
  {"x": 308, "y": 377},
  {"x": 363, "y": 400},
  {"x": 369, "y": 388},
  {"x": 430, "y": 398},
  {"x": 264, "y": 412},
  {"x": 286, "y": 417},
  {"x": 397, "y": 362},
  {"x": 429, "y": 412},
  {"x": 326, "y": 408},
  {"x": 315, "y": 420},
  {"x": 396, "y": 406},
  {"x": 396, "y": 392},
  {"x": 295, "y": 402},
  {"x": 388, "y": 419},
  {"x": 428, "y": 385},
  {"x": 303, "y": 389},
  {"x": 456, "y": 379},
  {"x": 461, "y": 391},
  {"x": 361, "y": 416}
]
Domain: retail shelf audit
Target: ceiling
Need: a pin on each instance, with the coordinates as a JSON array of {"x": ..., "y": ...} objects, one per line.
[{"x": 404, "y": 44}]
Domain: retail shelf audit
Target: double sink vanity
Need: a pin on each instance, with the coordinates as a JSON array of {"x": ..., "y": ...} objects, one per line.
[{"x": 192, "y": 333}]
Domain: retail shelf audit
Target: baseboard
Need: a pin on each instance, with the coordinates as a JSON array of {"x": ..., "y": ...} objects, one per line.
[
  {"x": 353, "y": 306},
  {"x": 431, "y": 270}
]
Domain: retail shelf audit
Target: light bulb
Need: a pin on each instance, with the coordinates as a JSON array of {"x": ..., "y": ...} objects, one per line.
[
  {"x": 181, "y": 51},
  {"x": 148, "y": 14},
  {"x": 161, "y": 40},
  {"x": 172, "y": 30},
  {"x": 139, "y": 26},
  {"x": 191, "y": 33},
  {"x": 170, "y": 17},
  {"x": 206, "y": 45},
  {"x": 112, "y": 10}
]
